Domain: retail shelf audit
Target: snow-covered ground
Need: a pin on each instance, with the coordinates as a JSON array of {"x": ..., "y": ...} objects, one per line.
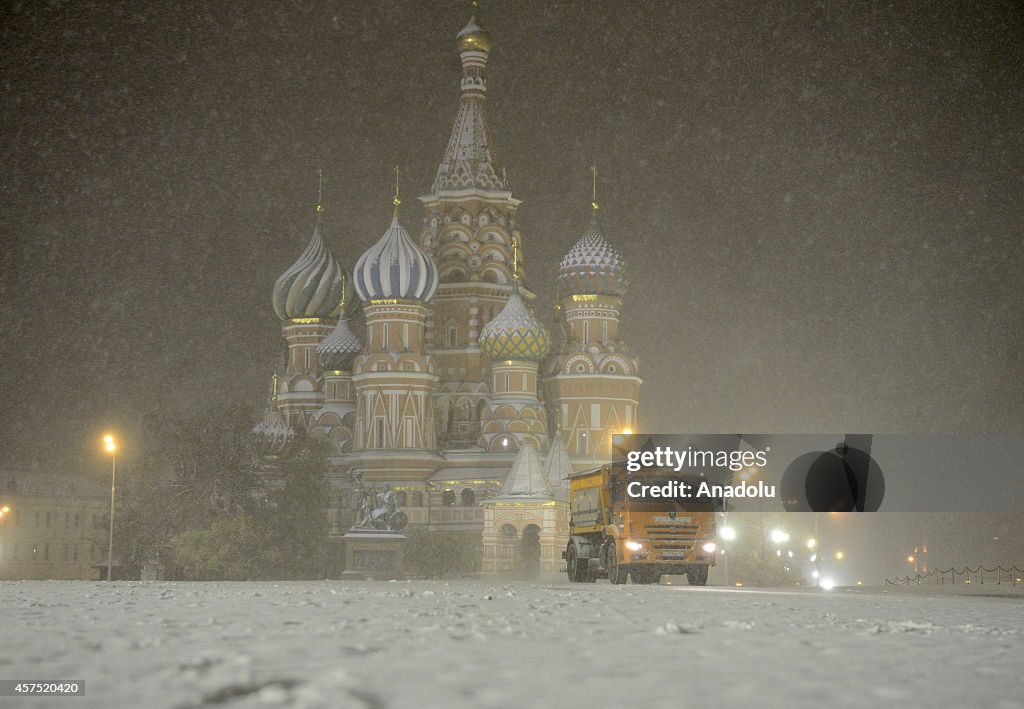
[{"x": 479, "y": 644}]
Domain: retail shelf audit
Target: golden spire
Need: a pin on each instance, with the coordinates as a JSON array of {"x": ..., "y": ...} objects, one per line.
[
  {"x": 341, "y": 303},
  {"x": 320, "y": 196},
  {"x": 396, "y": 201},
  {"x": 273, "y": 389},
  {"x": 593, "y": 191}
]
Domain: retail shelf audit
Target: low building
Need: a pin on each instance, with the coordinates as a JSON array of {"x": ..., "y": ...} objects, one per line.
[{"x": 52, "y": 526}]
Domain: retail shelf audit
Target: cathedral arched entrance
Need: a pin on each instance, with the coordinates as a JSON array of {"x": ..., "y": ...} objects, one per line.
[{"x": 529, "y": 551}]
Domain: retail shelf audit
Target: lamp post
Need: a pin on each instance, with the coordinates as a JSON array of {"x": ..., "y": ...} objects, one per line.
[{"x": 111, "y": 446}]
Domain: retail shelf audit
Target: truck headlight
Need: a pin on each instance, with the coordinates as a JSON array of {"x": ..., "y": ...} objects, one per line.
[
  {"x": 634, "y": 546},
  {"x": 709, "y": 547}
]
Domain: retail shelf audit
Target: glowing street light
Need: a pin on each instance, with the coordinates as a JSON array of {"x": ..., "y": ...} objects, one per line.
[
  {"x": 910, "y": 560},
  {"x": 778, "y": 536},
  {"x": 839, "y": 556},
  {"x": 811, "y": 543},
  {"x": 111, "y": 446},
  {"x": 727, "y": 533}
]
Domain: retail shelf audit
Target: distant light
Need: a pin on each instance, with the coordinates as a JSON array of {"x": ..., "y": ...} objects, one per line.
[
  {"x": 790, "y": 554},
  {"x": 504, "y": 443},
  {"x": 709, "y": 547},
  {"x": 634, "y": 546},
  {"x": 814, "y": 557},
  {"x": 815, "y": 573},
  {"x": 778, "y": 552},
  {"x": 627, "y": 432},
  {"x": 839, "y": 555},
  {"x": 5, "y": 509},
  {"x": 738, "y": 583},
  {"x": 778, "y": 536},
  {"x": 828, "y": 584},
  {"x": 727, "y": 533},
  {"x": 811, "y": 543},
  {"x": 860, "y": 583},
  {"x": 910, "y": 559},
  {"x": 109, "y": 443}
]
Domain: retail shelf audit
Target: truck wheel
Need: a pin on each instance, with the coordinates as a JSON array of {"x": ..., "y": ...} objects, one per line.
[
  {"x": 697, "y": 575},
  {"x": 572, "y": 566},
  {"x": 616, "y": 573}
]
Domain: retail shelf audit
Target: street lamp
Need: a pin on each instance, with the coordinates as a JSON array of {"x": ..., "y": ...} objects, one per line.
[
  {"x": 727, "y": 534},
  {"x": 839, "y": 556},
  {"x": 111, "y": 446},
  {"x": 778, "y": 536}
]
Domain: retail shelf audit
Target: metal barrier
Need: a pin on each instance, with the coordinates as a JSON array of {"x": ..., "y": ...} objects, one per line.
[{"x": 997, "y": 575}]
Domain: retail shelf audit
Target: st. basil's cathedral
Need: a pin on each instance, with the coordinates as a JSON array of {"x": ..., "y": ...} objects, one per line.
[{"x": 426, "y": 368}]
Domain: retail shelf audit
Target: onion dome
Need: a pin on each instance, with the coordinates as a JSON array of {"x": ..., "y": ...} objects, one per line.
[
  {"x": 272, "y": 434},
  {"x": 339, "y": 348},
  {"x": 592, "y": 266},
  {"x": 395, "y": 268},
  {"x": 473, "y": 37},
  {"x": 514, "y": 333},
  {"x": 311, "y": 288}
]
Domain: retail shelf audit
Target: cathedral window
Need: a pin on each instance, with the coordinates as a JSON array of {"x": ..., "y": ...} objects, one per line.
[
  {"x": 506, "y": 383},
  {"x": 604, "y": 331},
  {"x": 378, "y": 432},
  {"x": 452, "y": 335},
  {"x": 468, "y": 497},
  {"x": 384, "y": 340},
  {"x": 410, "y": 432},
  {"x": 582, "y": 443},
  {"x": 305, "y": 352},
  {"x": 586, "y": 332},
  {"x": 448, "y": 498}
]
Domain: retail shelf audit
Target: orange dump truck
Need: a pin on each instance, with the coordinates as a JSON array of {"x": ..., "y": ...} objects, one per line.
[{"x": 614, "y": 534}]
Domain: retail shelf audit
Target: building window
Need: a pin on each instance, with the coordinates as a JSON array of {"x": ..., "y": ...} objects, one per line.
[
  {"x": 468, "y": 497},
  {"x": 378, "y": 432},
  {"x": 604, "y": 331},
  {"x": 448, "y": 498},
  {"x": 586, "y": 332},
  {"x": 384, "y": 344},
  {"x": 506, "y": 383},
  {"x": 582, "y": 442},
  {"x": 37, "y": 518},
  {"x": 409, "y": 366},
  {"x": 451, "y": 336},
  {"x": 410, "y": 432},
  {"x": 305, "y": 354},
  {"x": 417, "y": 499}
]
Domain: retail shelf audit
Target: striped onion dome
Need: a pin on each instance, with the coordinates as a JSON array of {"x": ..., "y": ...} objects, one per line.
[
  {"x": 395, "y": 267},
  {"x": 339, "y": 348},
  {"x": 311, "y": 287},
  {"x": 592, "y": 266},
  {"x": 272, "y": 434},
  {"x": 514, "y": 333}
]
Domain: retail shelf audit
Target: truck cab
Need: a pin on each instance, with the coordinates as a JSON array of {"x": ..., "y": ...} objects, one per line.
[{"x": 616, "y": 535}]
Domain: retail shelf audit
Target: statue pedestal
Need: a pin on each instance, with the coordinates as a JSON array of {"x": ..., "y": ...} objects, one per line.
[{"x": 373, "y": 555}]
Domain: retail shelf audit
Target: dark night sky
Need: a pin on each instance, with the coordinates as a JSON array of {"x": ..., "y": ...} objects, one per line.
[{"x": 820, "y": 204}]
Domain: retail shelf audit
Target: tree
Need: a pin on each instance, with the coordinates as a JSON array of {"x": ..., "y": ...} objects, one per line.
[
  {"x": 196, "y": 469},
  {"x": 296, "y": 518},
  {"x": 230, "y": 550}
]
